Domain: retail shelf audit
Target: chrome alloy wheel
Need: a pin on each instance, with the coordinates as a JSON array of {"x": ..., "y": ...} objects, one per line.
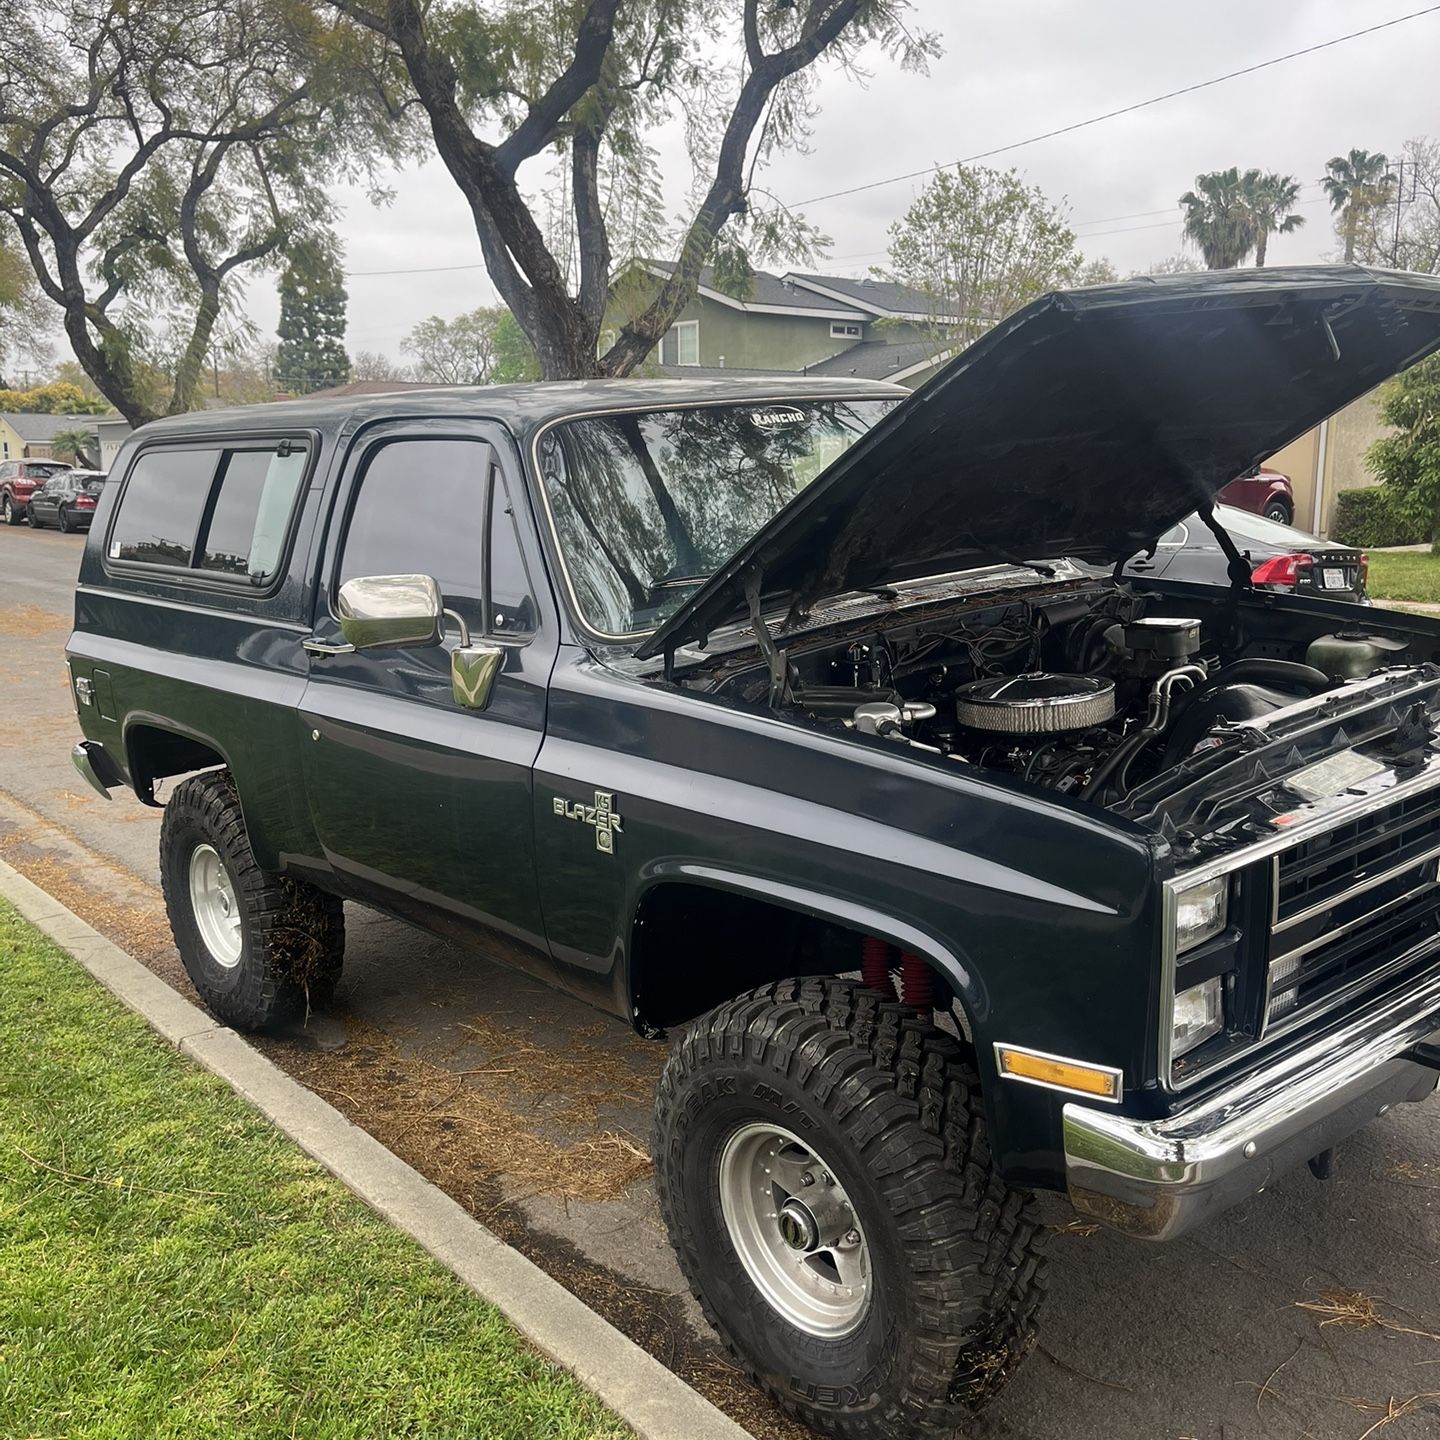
[
  {"x": 217, "y": 912},
  {"x": 794, "y": 1229}
]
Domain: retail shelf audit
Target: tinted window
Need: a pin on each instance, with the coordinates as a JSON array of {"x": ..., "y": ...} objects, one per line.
[
  {"x": 162, "y": 505},
  {"x": 512, "y": 610},
  {"x": 421, "y": 511},
  {"x": 44, "y": 472},
  {"x": 252, "y": 509}
]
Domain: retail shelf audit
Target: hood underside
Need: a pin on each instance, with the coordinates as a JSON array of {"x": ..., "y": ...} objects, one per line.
[{"x": 1085, "y": 426}]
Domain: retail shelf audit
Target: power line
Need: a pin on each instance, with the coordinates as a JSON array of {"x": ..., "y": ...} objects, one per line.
[
  {"x": 1123, "y": 110},
  {"x": 1017, "y": 145}
]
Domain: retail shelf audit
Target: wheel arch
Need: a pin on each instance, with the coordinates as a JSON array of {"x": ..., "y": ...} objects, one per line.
[
  {"x": 156, "y": 748},
  {"x": 815, "y": 923}
]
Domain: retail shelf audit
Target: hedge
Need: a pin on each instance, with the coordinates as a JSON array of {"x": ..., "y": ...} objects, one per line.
[{"x": 1370, "y": 517}]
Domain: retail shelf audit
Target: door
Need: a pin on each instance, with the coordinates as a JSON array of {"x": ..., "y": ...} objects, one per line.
[
  {"x": 45, "y": 500},
  {"x": 420, "y": 804}
]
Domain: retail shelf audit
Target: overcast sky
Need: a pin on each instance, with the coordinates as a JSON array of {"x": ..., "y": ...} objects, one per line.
[{"x": 1008, "y": 72}]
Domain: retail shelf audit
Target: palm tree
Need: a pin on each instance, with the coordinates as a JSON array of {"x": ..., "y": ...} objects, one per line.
[
  {"x": 1218, "y": 220},
  {"x": 76, "y": 442},
  {"x": 1269, "y": 199},
  {"x": 1358, "y": 184}
]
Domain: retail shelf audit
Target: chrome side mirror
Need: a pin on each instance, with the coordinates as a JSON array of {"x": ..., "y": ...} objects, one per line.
[{"x": 390, "y": 610}]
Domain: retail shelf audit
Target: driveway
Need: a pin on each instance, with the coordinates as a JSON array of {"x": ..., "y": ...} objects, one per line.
[{"x": 1310, "y": 1311}]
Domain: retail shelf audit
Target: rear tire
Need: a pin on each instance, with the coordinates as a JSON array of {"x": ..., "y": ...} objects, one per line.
[
  {"x": 64, "y": 519},
  {"x": 1279, "y": 512},
  {"x": 882, "y": 1110},
  {"x": 8, "y": 513},
  {"x": 261, "y": 949},
  {"x": 30, "y": 518}
]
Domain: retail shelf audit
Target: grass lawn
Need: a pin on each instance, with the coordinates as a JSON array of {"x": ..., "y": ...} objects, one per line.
[
  {"x": 1410, "y": 575},
  {"x": 172, "y": 1266}
]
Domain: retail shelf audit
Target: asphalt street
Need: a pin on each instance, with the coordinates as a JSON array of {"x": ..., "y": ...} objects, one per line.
[{"x": 1310, "y": 1311}]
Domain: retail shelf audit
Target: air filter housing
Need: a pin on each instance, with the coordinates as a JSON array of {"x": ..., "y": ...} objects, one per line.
[{"x": 1037, "y": 704}]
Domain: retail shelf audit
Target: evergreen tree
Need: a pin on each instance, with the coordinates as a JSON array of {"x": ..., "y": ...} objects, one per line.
[{"x": 311, "y": 354}]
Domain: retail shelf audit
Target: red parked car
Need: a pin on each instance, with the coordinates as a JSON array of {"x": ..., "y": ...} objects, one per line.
[
  {"x": 18, "y": 481},
  {"x": 1264, "y": 492}
]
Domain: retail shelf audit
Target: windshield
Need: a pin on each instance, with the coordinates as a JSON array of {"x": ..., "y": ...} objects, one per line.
[{"x": 646, "y": 507}]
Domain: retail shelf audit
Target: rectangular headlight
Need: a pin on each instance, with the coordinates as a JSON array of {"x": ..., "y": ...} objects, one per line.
[
  {"x": 1199, "y": 1014},
  {"x": 1200, "y": 912}
]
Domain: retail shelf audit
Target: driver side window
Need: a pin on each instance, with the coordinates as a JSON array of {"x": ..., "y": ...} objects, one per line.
[{"x": 420, "y": 509}]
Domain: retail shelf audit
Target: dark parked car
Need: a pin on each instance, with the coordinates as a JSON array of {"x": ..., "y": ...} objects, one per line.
[
  {"x": 1262, "y": 492},
  {"x": 67, "y": 500},
  {"x": 1281, "y": 558},
  {"x": 809, "y": 722},
  {"x": 19, "y": 479}
]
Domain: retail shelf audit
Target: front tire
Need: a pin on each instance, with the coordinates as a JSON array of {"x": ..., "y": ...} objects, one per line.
[
  {"x": 260, "y": 949},
  {"x": 1278, "y": 511},
  {"x": 924, "y": 1267}
]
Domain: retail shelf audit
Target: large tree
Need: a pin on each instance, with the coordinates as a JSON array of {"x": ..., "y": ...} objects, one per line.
[
  {"x": 1218, "y": 220},
  {"x": 484, "y": 346},
  {"x": 152, "y": 153},
  {"x": 1360, "y": 186},
  {"x": 311, "y": 353},
  {"x": 584, "y": 84},
  {"x": 980, "y": 243},
  {"x": 24, "y": 315},
  {"x": 1406, "y": 235},
  {"x": 1270, "y": 199}
]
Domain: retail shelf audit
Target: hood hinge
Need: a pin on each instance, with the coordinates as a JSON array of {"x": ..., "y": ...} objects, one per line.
[
  {"x": 780, "y": 692},
  {"x": 1236, "y": 564}
]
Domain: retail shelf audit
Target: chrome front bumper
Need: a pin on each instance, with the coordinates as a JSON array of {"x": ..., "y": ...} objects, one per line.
[{"x": 1156, "y": 1179}]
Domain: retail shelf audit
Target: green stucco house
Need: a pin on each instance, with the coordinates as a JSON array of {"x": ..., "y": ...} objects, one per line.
[{"x": 796, "y": 324}]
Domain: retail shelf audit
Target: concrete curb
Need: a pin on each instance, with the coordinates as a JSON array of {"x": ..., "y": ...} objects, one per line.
[{"x": 655, "y": 1403}]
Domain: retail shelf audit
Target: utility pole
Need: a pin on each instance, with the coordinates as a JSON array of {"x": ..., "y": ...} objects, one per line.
[{"x": 1399, "y": 202}]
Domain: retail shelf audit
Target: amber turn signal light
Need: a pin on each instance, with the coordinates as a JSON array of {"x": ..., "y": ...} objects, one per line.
[{"x": 1057, "y": 1073}]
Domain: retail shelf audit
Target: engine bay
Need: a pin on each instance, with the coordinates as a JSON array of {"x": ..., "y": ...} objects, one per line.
[{"x": 1094, "y": 690}]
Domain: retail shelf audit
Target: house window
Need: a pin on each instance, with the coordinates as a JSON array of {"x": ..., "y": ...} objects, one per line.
[
  {"x": 847, "y": 330},
  {"x": 681, "y": 344}
]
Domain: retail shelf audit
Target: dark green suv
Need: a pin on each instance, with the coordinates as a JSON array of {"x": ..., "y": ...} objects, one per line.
[{"x": 816, "y": 724}]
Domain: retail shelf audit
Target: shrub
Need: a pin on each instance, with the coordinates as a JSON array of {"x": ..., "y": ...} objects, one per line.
[{"x": 1371, "y": 518}]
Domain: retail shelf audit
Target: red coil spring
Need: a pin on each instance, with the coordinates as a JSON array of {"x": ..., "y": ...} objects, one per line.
[
  {"x": 917, "y": 982},
  {"x": 877, "y": 960}
]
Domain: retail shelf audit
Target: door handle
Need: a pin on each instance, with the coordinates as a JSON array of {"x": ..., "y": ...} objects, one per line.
[{"x": 327, "y": 647}]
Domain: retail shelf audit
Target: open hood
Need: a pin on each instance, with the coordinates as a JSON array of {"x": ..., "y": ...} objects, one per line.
[{"x": 1084, "y": 426}]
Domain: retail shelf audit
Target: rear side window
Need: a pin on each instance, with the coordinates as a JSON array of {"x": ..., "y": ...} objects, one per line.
[
  {"x": 163, "y": 504},
  {"x": 219, "y": 511},
  {"x": 252, "y": 507}
]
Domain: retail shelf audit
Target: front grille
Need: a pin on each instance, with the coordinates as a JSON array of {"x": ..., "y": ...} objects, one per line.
[{"x": 1351, "y": 902}]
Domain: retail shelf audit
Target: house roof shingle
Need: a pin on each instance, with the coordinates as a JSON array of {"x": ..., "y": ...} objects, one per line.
[
  {"x": 767, "y": 292},
  {"x": 36, "y": 429},
  {"x": 881, "y": 297},
  {"x": 878, "y": 360}
]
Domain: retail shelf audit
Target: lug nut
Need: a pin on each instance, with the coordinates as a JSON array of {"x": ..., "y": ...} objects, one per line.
[
  {"x": 852, "y": 1237},
  {"x": 807, "y": 1178}
]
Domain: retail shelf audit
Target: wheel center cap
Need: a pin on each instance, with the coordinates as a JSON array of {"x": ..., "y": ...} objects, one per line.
[{"x": 798, "y": 1227}]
